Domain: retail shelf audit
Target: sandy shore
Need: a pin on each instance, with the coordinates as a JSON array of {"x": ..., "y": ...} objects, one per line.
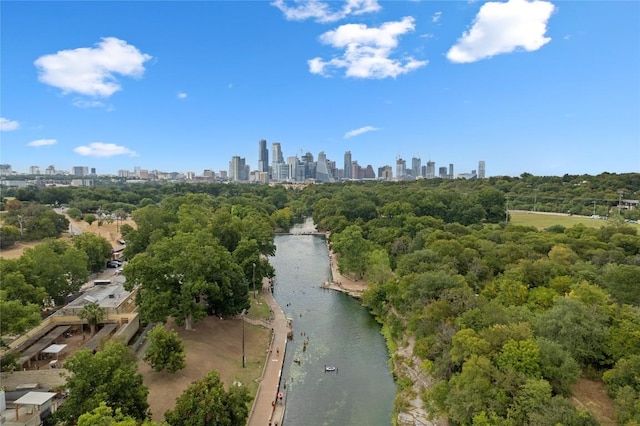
[{"x": 342, "y": 283}]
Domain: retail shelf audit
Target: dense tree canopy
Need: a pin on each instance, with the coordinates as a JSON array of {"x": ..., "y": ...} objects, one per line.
[
  {"x": 207, "y": 403},
  {"x": 165, "y": 350},
  {"x": 97, "y": 249},
  {"x": 108, "y": 376},
  {"x": 198, "y": 261},
  {"x": 504, "y": 317},
  {"x": 17, "y": 317},
  {"x": 55, "y": 266}
]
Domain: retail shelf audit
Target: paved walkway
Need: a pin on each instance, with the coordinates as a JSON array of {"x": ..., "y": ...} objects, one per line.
[{"x": 268, "y": 408}]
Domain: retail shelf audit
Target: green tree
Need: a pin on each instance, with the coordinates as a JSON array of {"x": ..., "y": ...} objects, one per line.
[
  {"x": 466, "y": 343},
  {"x": 179, "y": 274},
  {"x": 522, "y": 356},
  {"x": 471, "y": 391},
  {"x": 57, "y": 267},
  {"x": 165, "y": 350},
  {"x": 8, "y": 236},
  {"x": 557, "y": 366},
  {"x": 97, "y": 248},
  {"x": 623, "y": 384},
  {"x": 206, "y": 403},
  {"x": 103, "y": 415},
  {"x": 625, "y": 333},
  {"x": 378, "y": 267},
  {"x": 534, "y": 395},
  {"x": 622, "y": 282},
  {"x": 15, "y": 284},
  {"x": 108, "y": 376},
  {"x": 16, "y": 316},
  {"x": 577, "y": 328},
  {"x": 90, "y": 218},
  {"x": 559, "y": 411},
  {"x": 352, "y": 249},
  {"x": 93, "y": 314},
  {"x": 36, "y": 222},
  {"x": 74, "y": 213}
]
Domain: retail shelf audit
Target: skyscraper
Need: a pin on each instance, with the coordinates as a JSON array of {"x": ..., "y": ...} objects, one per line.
[
  {"x": 431, "y": 169},
  {"x": 481, "y": 170},
  {"x": 442, "y": 173},
  {"x": 237, "y": 169},
  {"x": 276, "y": 154},
  {"x": 348, "y": 174},
  {"x": 451, "y": 171},
  {"x": 263, "y": 156},
  {"x": 401, "y": 168},
  {"x": 323, "y": 174},
  {"x": 385, "y": 172},
  {"x": 80, "y": 171},
  {"x": 416, "y": 167},
  {"x": 369, "y": 173}
]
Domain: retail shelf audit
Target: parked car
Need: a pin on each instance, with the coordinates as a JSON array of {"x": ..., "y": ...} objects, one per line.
[{"x": 113, "y": 264}]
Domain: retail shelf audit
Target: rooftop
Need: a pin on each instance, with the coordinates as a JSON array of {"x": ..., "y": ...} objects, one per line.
[{"x": 107, "y": 296}]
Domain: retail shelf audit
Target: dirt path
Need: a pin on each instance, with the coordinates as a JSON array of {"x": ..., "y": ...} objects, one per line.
[{"x": 592, "y": 396}]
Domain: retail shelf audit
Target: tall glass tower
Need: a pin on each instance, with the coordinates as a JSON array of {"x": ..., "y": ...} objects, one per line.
[
  {"x": 347, "y": 165},
  {"x": 263, "y": 156}
]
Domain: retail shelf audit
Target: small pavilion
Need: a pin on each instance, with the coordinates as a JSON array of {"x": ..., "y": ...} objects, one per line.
[{"x": 41, "y": 400}]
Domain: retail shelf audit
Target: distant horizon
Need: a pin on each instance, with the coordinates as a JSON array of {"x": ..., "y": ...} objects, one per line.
[
  {"x": 529, "y": 86},
  {"x": 199, "y": 173}
]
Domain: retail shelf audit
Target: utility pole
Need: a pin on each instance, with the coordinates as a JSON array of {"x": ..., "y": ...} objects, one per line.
[
  {"x": 619, "y": 201},
  {"x": 254, "y": 280},
  {"x": 535, "y": 199},
  {"x": 244, "y": 363},
  {"x": 594, "y": 208}
]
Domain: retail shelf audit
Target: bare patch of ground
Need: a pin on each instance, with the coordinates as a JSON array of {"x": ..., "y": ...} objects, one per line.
[
  {"x": 15, "y": 251},
  {"x": 110, "y": 231},
  {"x": 215, "y": 344},
  {"x": 592, "y": 396}
]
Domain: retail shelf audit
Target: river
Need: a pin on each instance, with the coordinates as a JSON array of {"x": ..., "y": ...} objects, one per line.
[{"x": 340, "y": 333}]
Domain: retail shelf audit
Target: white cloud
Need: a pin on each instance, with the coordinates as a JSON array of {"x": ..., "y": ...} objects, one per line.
[
  {"x": 361, "y": 130},
  {"x": 182, "y": 95},
  {"x": 7, "y": 125},
  {"x": 42, "y": 142},
  {"x": 503, "y": 28},
  {"x": 86, "y": 103},
  {"x": 321, "y": 11},
  {"x": 92, "y": 71},
  {"x": 436, "y": 17},
  {"x": 367, "y": 50},
  {"x": 100, "y": 149}
]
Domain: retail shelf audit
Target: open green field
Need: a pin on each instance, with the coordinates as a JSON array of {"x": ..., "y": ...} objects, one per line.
[{"x": 545, "y": 220}]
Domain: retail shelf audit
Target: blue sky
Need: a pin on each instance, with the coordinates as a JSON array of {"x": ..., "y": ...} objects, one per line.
[{"x": 545, "y": 87}]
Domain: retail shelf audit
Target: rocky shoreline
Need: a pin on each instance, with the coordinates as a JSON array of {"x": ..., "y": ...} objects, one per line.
[{"x": 405, "y": 364}]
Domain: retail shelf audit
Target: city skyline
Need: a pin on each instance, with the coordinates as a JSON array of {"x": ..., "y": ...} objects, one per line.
[
  {"x": 239, "y": 169},
  {"x": 528, "y": 85}
]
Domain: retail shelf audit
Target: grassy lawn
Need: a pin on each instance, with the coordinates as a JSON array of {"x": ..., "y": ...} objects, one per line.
[{"x": 543, "y": 221}]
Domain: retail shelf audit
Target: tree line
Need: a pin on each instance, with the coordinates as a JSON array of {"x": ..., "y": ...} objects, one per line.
[{"x": 505, "y": 319}]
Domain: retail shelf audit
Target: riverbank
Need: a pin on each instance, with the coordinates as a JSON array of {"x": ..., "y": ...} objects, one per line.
[
  {"x": 405, "y": 364},
  {"x": 340, "y": 282}
]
